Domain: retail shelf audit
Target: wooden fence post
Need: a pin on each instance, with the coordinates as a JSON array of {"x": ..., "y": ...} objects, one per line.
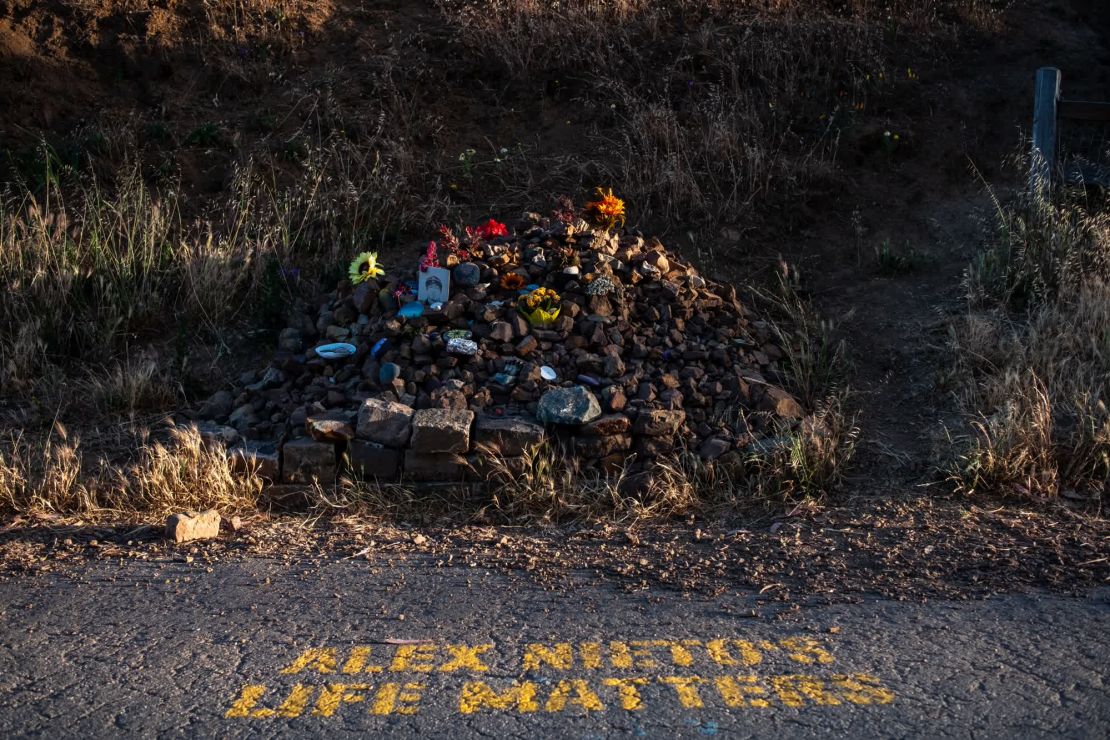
[{"x": 1043, "y": 164}]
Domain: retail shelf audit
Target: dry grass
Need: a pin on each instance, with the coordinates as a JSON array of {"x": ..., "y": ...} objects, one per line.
[
  {"x": 735, "y": 104},
  {"x": 55, "y": 477},
  {"x": 115, "y": 265},
  {"x": 89, "y": 270},
  {"x": 1035, "y": 385}
]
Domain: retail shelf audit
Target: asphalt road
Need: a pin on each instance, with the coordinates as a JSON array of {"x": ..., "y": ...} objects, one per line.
[{"x": 261, "y": 648}]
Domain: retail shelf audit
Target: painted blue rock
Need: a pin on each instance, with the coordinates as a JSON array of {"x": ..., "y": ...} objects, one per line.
[
  {"x": 389, "y": 372},
  {"x": 412, "y": 310}
]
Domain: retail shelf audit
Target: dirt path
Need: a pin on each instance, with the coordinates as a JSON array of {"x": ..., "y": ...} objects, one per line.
[{"x": 935, "y": 207}]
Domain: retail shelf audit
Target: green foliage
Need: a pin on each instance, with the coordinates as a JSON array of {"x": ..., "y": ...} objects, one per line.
[
  {"x": 892, "y": 261},
  {"x": 205, "y": 135}
]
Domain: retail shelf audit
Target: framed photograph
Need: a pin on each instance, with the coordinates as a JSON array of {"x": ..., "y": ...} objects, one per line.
[{"x": 434, "y": 286}]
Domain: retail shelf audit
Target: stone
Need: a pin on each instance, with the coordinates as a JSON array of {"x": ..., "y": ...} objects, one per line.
[
  {"x": 526, "y": 345},
  {"x": 325, "y": 429},
  {"x": 272, "y": 378},
  {"x": 781, "y": 403},
  {"x": 466, "y": 274},
  {"x": 261, "y": 459},
  {"x": 441, "y": 430},
  {"x": 192, "y": 525},
  {"x": 605, "y": 426},
  {"x": 373, "y": 461},
  {"x": 659, "y": 422},
  {"x": 613, "y": 398},
  {"x": 385, "y": 422},
  {"x": 217, "y": 434},
  {"x": 574, "y": 405},
  {"x": 506, "y": 436},
  {"x": 501, "y": 331},
  {"x": 654, "y": 447},
  {"x": 218, "y": 406},
  {"x": 595, "y": 447},
  {"x": 305, "y": 460},
  {"x": 713, "y": 448},
  {"x": 520, "y": 325},
  {"x": 462, "y": 347},
  {"x": 290, "y": 340},
  {"x": 441, "y": 466},
  {"x": 389, "y": 372},
  {"x": 243, "y": 417},
  {"x": 364, "y": 296},
  {"x": 334, "y": 332},
  {"x": 613, "y": 366}
]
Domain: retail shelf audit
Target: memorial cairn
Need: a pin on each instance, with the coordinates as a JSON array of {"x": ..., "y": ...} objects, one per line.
[{"x": 565, "y": 332}]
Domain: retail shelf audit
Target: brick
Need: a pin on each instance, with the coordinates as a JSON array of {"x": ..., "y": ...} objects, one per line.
[
  {"x": 386, "y": 422},
  {"x": 305, "y": 460},
  {"x": 262, "y": 459},
  {"x": 506, "y": 436},
  {"x": 441, "y": 430},
  {"x": 191, "y": 525},
  {"x": 443, "y": 466},
  {"x": 373, "y": 461}
]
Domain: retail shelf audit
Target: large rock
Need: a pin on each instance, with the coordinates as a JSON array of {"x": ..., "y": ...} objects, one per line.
[
  {"x": 601, "y": 446},
  {"x": 506, "y": 436},
  {"x": 466, "y": 274},
  {"x": 329, "y": 429},
  {"x": 440, "y": 466},
  {"x": 272, "y": 378},
  {"x": 373, "y": 461},
  {"x": 385, "y": 422},
  {"x": 259, "y": 458},
  {"x": 659, "y": 422},
  {"x": 308, "y": 461},
  {"x": 218, "y": 406},
  {"x": 216, "y": 434},
  {"x": 574, "y": 405},
  {"x": 498, "y": 470},
  {"x": 191, "y": 525},
  {"x": 605, "y": 426},
  {"x": 441, "y": 430},
  {"x": 781, "y": 403}
]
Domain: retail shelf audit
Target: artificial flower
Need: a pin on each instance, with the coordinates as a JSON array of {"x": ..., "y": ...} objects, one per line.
[
  {"x": 364, "y": 267},
  {"x": 541, "y": 307},
  {"x": 430, "y": 258},
  {"x": 564, "y": 209},
  {"x": 608, "y": 210},
  {"x": 491, "y": 229},
  {"x": 512, "y": 281}
]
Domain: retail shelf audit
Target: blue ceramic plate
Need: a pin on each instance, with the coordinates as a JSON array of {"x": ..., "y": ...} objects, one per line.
[{"x": 336, "y": 351}]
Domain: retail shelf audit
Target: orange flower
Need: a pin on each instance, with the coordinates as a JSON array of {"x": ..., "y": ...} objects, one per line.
[
  {"x": 512, "y": 281},
  {"x": 607, "y": 210}
]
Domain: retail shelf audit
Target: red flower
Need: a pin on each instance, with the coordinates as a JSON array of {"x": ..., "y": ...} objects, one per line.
[
  {"x": 430, "y": 258},
  {"x": 492, "y": 229}
]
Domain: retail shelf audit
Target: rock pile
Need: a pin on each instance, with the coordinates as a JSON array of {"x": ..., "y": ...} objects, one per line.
[{"x": 643, "y": 356}]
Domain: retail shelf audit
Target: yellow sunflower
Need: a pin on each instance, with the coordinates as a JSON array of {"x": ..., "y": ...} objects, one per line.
[{"x": 364, "y": 267}]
